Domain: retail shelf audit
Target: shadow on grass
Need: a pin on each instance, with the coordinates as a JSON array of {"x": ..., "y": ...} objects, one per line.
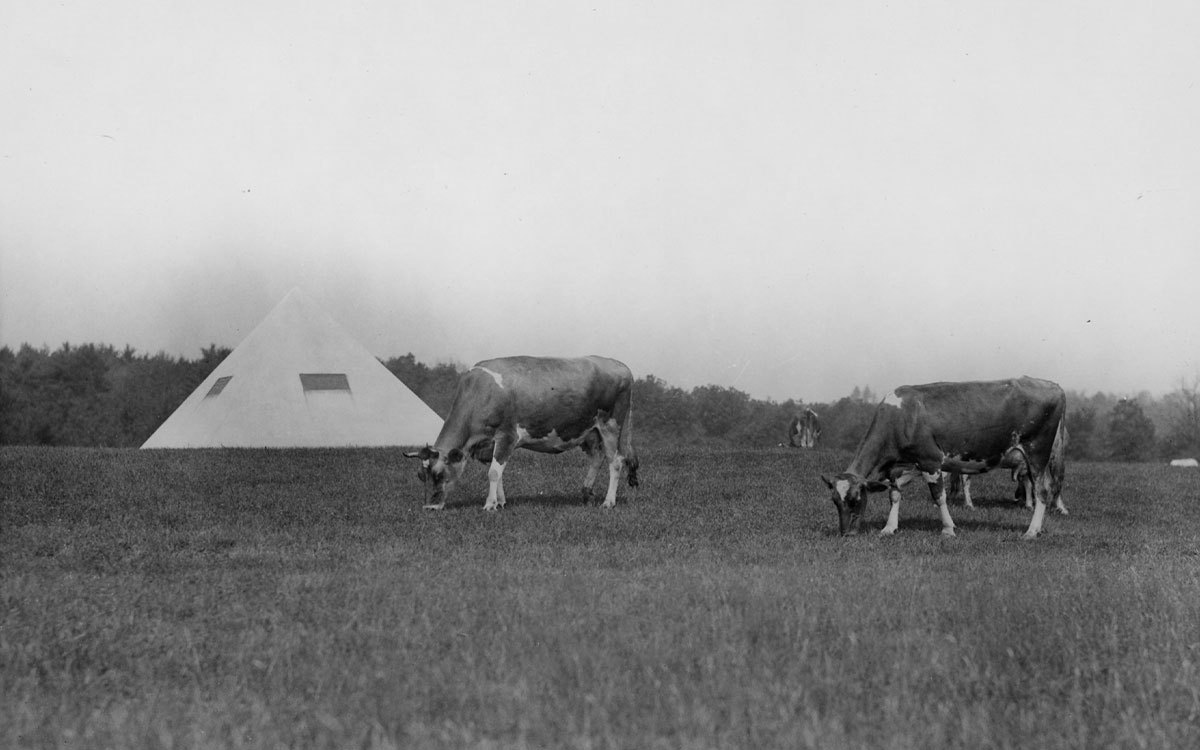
[
  {"x": 548, "y": 500},
  {"x": 969, "y": 524},
  {"x": 991, "y": 502},
  {"x": 934, "y": 526},
  {"x": 559, "y": 499}
]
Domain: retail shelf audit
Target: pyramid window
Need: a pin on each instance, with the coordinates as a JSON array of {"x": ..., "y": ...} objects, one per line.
[
  {"x": 218, "y": 386},
  {"x": 324, "y": 381}
]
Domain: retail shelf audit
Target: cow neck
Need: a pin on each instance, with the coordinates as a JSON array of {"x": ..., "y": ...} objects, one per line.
[
  {"x": 456, "y": 431},
  {"x": 873, "y": 457}
]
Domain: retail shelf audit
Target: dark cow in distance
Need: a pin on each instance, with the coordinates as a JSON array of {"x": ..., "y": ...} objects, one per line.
[
  {"x": 965, "y": 428},
  {"x": 804, "y": 430},
  {"x": 549, "y": 405}
]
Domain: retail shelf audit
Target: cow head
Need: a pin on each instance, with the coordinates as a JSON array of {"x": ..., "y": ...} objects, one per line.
[
  {"x": 439, "y": 472},
  {"x": 850, "y": 495}
]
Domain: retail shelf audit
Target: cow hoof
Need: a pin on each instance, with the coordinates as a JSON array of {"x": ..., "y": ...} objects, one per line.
[
  {"x": 948, "y": 532},
  {"x": 1029, "y": 535},
  {"x": 887, "y": 532},
  {"x": 435, "y": 506},
  {"x": 607, "y": 504},
  {"x": 491, "y": 508}
]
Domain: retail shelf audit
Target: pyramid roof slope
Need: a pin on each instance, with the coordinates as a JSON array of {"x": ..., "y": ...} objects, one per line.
[{"x": 298, "y": 380}]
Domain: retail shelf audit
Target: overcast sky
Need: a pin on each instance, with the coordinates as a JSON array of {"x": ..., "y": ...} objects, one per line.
[{"x": 791, "y": 198}]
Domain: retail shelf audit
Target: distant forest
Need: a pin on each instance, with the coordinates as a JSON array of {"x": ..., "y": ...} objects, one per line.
[{"x": 97, "y": 395}]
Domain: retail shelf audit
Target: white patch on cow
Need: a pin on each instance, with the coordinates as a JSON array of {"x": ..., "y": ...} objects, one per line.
[
  {"x": 1035, "y": 524},
  {"x": 842, "y": 486},
  {"x": 893, "y": 520},
  {"x": 610, "y": 438},
  {"x": 495, "y": 498},
  {"x": 892, "y": 400},
  {"x": 1187, "y": 463},
  {"x": 944, "y": 512},
  {"x": 1041, "y": 490},
  {"x": 614, "y": 480},
  {"x": 550, "y": 443},
  {"x": 495, "y": 375}
]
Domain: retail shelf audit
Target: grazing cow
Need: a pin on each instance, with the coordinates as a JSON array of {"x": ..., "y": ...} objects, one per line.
[
  {"x": 804, "y": 430},
  {"x": 543, "y": 404},
  {"x": 955, "y": 427}
]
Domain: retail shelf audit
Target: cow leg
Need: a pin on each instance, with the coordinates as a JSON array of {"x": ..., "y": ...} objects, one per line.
[
  {"x": 1024, "y": 491},
  {"x": 1021, "y": 492},
  {"x": 610, "y": 432},
  {"x": 495, "y": 496},
  {"x": 894, "y": 495},
  {"x": 1040, "y": 489},
  {"x": 937, "y": 491},
  {"x": 1035, "y": 523},
  {"x": 593, "y": 447},
  {"x": 893, "y": 513},
  {"x": 1056, "y": 490},
  {"x": 500, "y": 454},
  {"x": 961, "y": 482},
  {"x": 593, "y": 471}
]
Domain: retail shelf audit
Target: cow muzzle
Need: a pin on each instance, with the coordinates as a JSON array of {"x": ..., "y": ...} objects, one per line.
[
  {"x": 849, "y": 523},
  {"x": 848, "y": 519},
  {"x": 434, "y": 484}
]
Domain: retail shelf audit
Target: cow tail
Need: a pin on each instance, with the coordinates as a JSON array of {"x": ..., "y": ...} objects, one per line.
[
  {"x": 625, "y": 442},
  {"x": 1058, "y": 464}
]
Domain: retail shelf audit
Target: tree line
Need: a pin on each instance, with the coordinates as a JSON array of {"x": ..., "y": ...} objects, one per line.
[
  {"x": 93, "y": 395},
  {"x": 96, "y": 395}
]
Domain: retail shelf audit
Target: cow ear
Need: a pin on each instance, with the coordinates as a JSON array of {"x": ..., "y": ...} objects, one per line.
[
  {"x": 424, "y": 454},
  {"x": 454, "y": 456},
  {"x": 877, "y": 486},
  {"x": 828, "y": 482}
]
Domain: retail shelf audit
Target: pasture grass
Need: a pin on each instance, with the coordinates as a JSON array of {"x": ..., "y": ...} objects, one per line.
[{"x": 240, "y": 598}]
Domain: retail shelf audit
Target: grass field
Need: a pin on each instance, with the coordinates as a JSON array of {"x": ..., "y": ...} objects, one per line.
[{"x": 200, "y": 599}]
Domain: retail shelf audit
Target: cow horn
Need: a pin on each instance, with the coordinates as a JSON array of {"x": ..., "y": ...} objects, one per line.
[{"x": 424, "y": 454}]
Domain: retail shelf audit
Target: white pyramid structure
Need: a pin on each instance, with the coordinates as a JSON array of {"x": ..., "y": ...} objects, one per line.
[{"x": 298, "y": 381}]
